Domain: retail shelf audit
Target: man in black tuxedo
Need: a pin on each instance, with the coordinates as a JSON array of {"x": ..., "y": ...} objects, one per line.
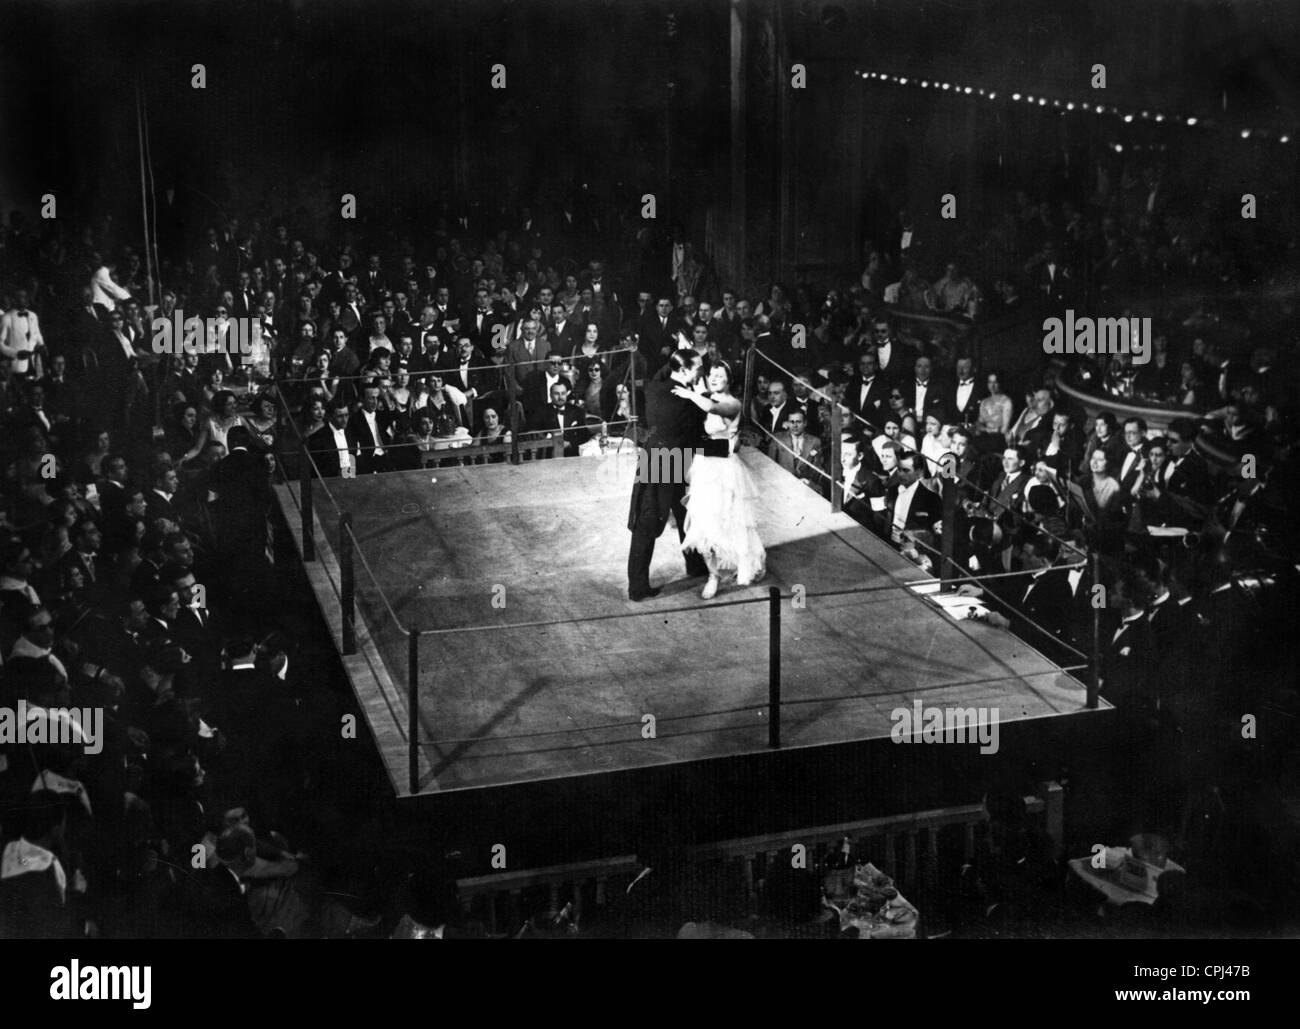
[
  {"x": 962, "y": 398},
  {"x": 161, "y": 499},
  {"x": 538, "y": 382},
  {"x": 1043, "y": 598},
  {"x": 924, "y": 394},
  {"x": 332, "y": 444},
  {"x": 1058, "y": 442},
  {"x": 1185, "y": 474},
  {"x": 242, "y": 483},
  {"x": 868, "y": 393},
  {"x": 676, "y": 430},
  {"x": 480, "y": 321},
  {"x": 1128, "y": 661},
  {"x": 911, "y": 507},
  {"x": 368, "y": 428},
  {"x": 564, "y": 417}
]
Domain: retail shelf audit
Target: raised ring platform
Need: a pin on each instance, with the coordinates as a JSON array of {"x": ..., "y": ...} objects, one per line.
[{"x": 502, "y": 705}]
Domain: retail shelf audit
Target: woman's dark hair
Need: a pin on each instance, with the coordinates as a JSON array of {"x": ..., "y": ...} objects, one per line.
[
  {"x": 220, "y": 397},
  {"x": 1111, "y": 424}
]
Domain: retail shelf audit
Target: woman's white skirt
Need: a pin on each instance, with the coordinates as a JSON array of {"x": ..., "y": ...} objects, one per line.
[{"x": 722, "y": 518}]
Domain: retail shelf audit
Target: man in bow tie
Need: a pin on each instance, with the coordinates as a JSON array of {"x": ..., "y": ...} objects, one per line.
[
  {"x": 964, "y": 398},
  {"x": 21, "y": 339},
  {"x": 924, "y": 393},
  {"x": 564, "y": 417},
  {"x": 868, "y": 393}
]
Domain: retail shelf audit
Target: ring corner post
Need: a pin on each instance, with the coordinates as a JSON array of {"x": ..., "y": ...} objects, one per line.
[
  {"x": 347, "y": 584},
  {"x": 413, "y": 708},
  {"x": 747, "y": 393},
  {"x": 774, "y": 667},
  {"x": 837, "y": 471},
  {"x": 305, "y": 490},
  {"x": 1094, "y": 680},
  {"x": 949, "y": 569}
]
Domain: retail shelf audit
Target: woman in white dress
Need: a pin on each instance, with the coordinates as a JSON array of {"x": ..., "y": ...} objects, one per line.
[{"x": 721, "y": 515}]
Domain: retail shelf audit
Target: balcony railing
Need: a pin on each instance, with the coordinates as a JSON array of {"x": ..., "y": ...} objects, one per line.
[{"x": 907, "y": 845}]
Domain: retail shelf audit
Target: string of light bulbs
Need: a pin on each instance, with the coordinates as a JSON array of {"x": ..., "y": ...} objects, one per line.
[{"x": 1128, "y": 115}]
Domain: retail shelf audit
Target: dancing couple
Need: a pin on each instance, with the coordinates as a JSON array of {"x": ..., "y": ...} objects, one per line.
[{"x": 711, "y": 496}]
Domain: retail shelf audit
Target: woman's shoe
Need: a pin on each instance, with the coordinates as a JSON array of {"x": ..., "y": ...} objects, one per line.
[{"x": 710, "y": 588}]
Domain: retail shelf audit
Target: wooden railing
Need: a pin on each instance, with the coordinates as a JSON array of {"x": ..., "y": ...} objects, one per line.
[
  {"x": 917, "y": 834},
  {"x": 875, "y": 837},
  {"x": 574, "y": 879}
]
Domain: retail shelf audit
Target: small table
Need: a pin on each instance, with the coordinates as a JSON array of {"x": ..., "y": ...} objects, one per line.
[
  {"x": 1126, "y": 879},
  {"x": 877, "y": 918}
]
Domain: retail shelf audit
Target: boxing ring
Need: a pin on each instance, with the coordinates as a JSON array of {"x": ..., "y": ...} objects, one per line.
[{"x": 481, "y": 614}]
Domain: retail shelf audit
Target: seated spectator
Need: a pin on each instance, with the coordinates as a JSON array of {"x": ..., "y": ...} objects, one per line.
[
  {"x": 182, "y": 431},
  {"x": 564, "y": 417},
  {"x": 912, "y": 509},
  {"x": 892, "y": 431},
  {"x": 281, "y": 901},
  {"x": 1037, "y": 414},
  {"x": 89, "y": 466},
  {"x": 800, "y": 453},
  {"x": 1106, "y": 438},
  {"x": 428, "y": 441},
  {"x": 261, "y": 420},
  {"x": 492, "y": 430},
  {"x": 589, "y": 394},
  {"x": 1104, "y": 500},
  {"x": 311, "y": 418},
  {"x": 1063, "y": 448},
  {"x": 934, "y": 444},
  {"x": 333, "y": 447}
]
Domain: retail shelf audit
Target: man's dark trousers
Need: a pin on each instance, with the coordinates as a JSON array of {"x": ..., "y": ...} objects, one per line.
[{"x": 651, "y": 502}]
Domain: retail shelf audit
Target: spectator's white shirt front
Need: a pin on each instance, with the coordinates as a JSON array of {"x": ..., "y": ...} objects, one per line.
[
  {"x": 964, "y": 389},
  {"x": 863, "y": 391},
  {"x": 373, "y": 422},
  {"x": 902, "y": 508},
  {"x": 1130, "y": 459},
  {"x": 922, "y": 388},
  {"x": 344, "y": 450}
]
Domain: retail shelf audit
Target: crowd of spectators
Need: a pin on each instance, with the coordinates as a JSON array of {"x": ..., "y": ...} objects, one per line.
[
  {"x": 136, "y": 484},
  {"x": 1010, "y": 481}
]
